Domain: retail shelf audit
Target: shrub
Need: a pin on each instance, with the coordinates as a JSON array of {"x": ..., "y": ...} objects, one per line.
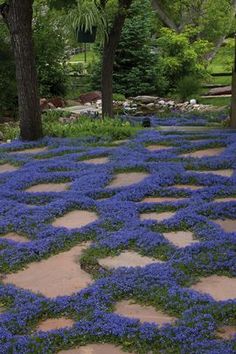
[{"x": 187, "y": 87}]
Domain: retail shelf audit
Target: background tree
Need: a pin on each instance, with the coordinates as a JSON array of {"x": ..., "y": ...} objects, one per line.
[{"x": 18, "y": 17}]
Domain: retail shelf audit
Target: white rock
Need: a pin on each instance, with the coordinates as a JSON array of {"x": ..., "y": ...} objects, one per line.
[
  {"x": 162, "y": 102},
  {"x": 193, "y": 101}
]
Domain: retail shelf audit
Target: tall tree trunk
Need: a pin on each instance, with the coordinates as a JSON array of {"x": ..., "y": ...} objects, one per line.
[
  {"x": 233, "y": 99},
  {"x": 109, "y": 50},
  {"x": 18, "y": 17}
]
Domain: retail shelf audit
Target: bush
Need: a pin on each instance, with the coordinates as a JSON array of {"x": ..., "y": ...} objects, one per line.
[{"x": 188, "y": 87}]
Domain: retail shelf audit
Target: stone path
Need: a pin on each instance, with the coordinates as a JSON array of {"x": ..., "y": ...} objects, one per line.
[{"x": 62, "y": 275}]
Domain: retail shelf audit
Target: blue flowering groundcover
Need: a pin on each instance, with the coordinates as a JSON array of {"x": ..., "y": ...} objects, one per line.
[{"x": 166, "y": 286}]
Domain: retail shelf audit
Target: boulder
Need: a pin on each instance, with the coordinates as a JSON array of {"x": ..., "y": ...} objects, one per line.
[
  {"x": 90, "y": 97},
  {"x": 145, "y": 99},
  {"x": 227, "y": 90}
]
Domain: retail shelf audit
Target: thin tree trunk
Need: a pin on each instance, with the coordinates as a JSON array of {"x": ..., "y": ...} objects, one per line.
[
  {"x": 109, "y": 51},
  {"x": 233, "y": 99},
  {"x": 18, "y": 17}
]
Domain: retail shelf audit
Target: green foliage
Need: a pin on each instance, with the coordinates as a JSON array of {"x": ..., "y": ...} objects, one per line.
[
  {"x": 50, "y": 48},
  {"x": 188, "y": 87},
  {"x": 180, "y": 56}
]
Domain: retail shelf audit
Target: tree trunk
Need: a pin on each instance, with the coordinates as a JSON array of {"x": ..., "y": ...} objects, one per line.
[
  {"x": 233, "y": 99},
  {"x": 109, "y": 50},
  {"x": 18, "y": 17}
]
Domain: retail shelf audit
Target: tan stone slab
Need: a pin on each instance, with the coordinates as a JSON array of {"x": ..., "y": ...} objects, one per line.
[
  {"x": 127, "y": 259},
  {"x": 204, "y": 153},
  {"x": 161, "y": 199},
  {"x": 48, "y": 187},
  {"x": 58, "y": 275},
  {"x": 31, "y": 151},
  {"x": 157, "y": 216},
  {"x": 120, "y": 142},
  {"x": 54, "y": 323},
  {"x": 226, "y": 332},
  {"x": 224, "y": 200},
  {"x": 219, "y": 287},
  {"x": 187, "y": 186},
  {"x": 97, "y": 161},
  {"x": 158, "y": 147},
  {"x": 228, "y": 225},
  {"x": 94, "y": 349},
  {"x": 12, "y": 236},
  {"x": 180, "y": 238},
  {"x": 7, "y": 167},
  {"x": 75, "y": 219},
  {"x": 222, "y": 173},
  {"x": 143, "y": 313},
  {"x": 127, "y": 179}
]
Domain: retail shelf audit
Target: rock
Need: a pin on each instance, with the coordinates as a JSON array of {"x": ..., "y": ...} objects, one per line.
[
  {"x": 161, "y": 102},
  {"x": 151, "y": 106},
  {"x": 145, "y": 99},
  {"x": 193, "y": 101},
  {"x": 90, "y": 97},
  {"x": 227, "y": 90},
  {"x": 57, "y": 102}
]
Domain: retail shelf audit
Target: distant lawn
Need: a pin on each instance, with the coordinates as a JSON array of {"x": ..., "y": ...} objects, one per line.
[
  {"x": 216, "y": 101},
  {"x": 81, "y": 56},
  {"x": 223, "y": 61}
]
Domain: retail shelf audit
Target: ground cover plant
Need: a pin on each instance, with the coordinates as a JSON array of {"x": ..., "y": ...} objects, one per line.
[{"x": 118, "y": 228}]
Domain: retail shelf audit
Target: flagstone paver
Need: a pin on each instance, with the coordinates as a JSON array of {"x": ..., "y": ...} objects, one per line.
[
  {"x": 12, "y": 236},
  {"x": 222, "y": 173},
  {"x": 30, "y": 151},
  {"x": 128, "y": 179},
  {"x": 58, "y": 275},
  {"x": 54, "y": 323},
  {"x": 157, "y": 216},
  {"x": 187, "y": 186},
  {"x": 226, "y": 332},
  {"x": 204, "y": 153},
  {"x": 97, "y": 161},
  {"x": 158, "y": 147},
  {"x": 127, "y": 259},
  {"x": 180, "y": 238},
  {"x": 95, "y": 349},
  {"x": 143, "y": 313},
  {"x": 225, "y": 199},
  {"x": 75, "y": 219},
  {"x": 6, "y": 167},
  {"x": 228, "y": 225},
  {"x": 219, "y": 287},
  {"x": 161, "y": 199},
  {"x": 48, "y": 187}
]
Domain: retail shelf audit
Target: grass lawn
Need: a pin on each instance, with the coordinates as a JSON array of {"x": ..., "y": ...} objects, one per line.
[
  {"x": 81, "y": 57},
  {"x": 223, "y": 61}
]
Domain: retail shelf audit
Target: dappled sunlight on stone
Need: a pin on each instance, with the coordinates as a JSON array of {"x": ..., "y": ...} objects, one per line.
[
  {"x": 58, "y": 275},
  {"x": 143, "y": 313},
  {"x": 127, "y": 179},
  {"x": 75, "y": 219},
  {"x": 54, "y": 323},
  {"x": 219, "y": 287},
  {"x": 48, "y": 187},
  {"x": 127, "y": 259},
  {"x": 180, "y": 238}
]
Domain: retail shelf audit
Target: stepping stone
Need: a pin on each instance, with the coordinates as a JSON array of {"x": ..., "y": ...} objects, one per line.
[
  {"x": 119, "y": 142},
  {"x": 187, "y": 186},
  {"x": 180, "y": 238},
  {"x": 228, "y": 225},
  {"x": 219, "y": 287},
  {"x": 59, "y": 275},
  {"x": 143, "y": 313},
  {"x": 48, "y": 187},
  {"x": 127, "y": 259},
  {"x": 127, "y": 179},
  {"x": 158, "y": 147},
  {"x": 226, "y": 332},
  {"x": 222, "y": 173},
  {"x": 157, "y": 216},
  {"x": 15, "y": 237},
  {"x": 94, "y": 349},
  {"x": 75, "y": 219},
  {"x": 30, "y": 151},
  {"x": 54, "y": 323},
  {"x": 7, "y": 168},
  {"x": 97, "y": 161},
  {"x": 204, "y": 153},
  {"x": 161, "y": 199},
  {"x": 224, "y": 200}
]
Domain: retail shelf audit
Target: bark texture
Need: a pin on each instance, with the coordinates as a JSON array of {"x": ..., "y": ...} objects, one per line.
[
  {"x": 233, "y": 99},
  {"x": 109, "y": 50},
  {"x": 18, "y": 17}
]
